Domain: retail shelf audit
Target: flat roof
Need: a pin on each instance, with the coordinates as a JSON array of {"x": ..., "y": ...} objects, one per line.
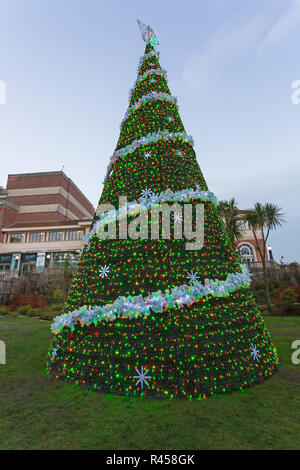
[
  {"x": 38, "y": 225},
  {"x": 53, "y": 173}
]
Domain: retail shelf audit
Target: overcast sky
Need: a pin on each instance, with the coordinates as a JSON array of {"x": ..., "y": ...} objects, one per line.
[{"x": 68, "y": 66}]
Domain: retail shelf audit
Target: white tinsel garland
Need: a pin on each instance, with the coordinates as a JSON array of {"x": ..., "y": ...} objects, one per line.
[
  {"x": 138, "y": 306},
  {"x": 134, "y": 207},
  {"x": 153, "y": 95},
  {"x": 161, "y": 72},
  {"x": 149, "y": 139}
]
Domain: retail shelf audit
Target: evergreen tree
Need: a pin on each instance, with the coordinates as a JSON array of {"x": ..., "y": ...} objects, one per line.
[{"x": 184, "y": 318}]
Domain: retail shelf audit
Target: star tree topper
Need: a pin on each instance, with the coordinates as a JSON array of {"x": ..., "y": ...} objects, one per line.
[{"x": 148, "y": 34}]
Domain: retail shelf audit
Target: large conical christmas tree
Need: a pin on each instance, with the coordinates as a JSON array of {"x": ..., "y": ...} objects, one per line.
[{"x": 149, "y": 316}]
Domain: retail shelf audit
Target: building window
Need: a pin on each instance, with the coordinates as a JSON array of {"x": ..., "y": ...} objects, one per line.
[
  {"x": 5, "y": 262},
  {"x": 60, "y": 259},
  {"x": 17, "y": 238},
  {"x": 28, "y": 262},
  {"x": 243, "y": 225},
  {"x": 55, "y": 236},
  {"x": 75, "y": 235},
  {"x": 246, "y": 253},
  {"x": 36, "y": 237}
]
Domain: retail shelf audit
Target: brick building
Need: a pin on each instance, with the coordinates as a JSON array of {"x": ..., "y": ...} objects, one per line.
[
  {"x": 247, "y": 246},
  {"x": 43, "y": 218}
]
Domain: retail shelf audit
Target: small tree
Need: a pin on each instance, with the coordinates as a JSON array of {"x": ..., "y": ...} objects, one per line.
[
  {"x": 263, "y": 219},
  {"x": 68, "y": 273},
  {"x": 230, "y": 214},
  {"x": 58, "y": 295}
]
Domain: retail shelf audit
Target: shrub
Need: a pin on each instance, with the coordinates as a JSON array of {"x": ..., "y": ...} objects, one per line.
[
  {"x": 296, "y": 309},
  {"x": 33, "y": 300},
  {"x": 296, "y": 289},
  {"x": 24, "y": 310},
  {"x": 259, "y": 293},
  {"x": 50, "y": 312},
  {"x": 264, "y": 310},
  {"x": 57, "y": 295},
  {"x": 288, "y": 297},
  {"x": 56, "y": 307},
  {"x": 286, "y": 302},
  {"x": 4, "y": 311},
  {"x": 289, "y": 310},
  {"x": 34, "y": 312},
  {"x": 280, "y": 292}
]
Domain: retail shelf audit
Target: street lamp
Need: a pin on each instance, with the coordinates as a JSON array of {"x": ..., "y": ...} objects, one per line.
[{"x": 270, "y": 253}]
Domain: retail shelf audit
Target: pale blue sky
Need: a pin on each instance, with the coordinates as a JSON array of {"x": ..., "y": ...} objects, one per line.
[{"x": 68, "y": 66}]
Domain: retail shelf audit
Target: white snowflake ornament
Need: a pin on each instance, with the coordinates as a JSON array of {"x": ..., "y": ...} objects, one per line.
[
  {"x": 104, "y": 271},
  {"x": 146, "y": 193},
  {"x": 177, "y": 217},
  {"x": 255, "y": 352},
  {"x": 192, "y": 277},
  {"x": 54, "y": 353},
  {"x": 142, "y": 377}
]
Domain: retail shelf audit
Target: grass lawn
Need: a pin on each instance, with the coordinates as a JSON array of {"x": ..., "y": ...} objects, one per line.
[{"x": 38, "y": 412}]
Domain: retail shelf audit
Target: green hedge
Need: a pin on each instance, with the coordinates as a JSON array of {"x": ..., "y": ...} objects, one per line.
[
  {"x": 46, "y": 313},
  {"x": 4, "y": 311}
]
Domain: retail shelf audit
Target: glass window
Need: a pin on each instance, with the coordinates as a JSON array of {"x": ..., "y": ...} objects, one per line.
[
  {"x": 59, "y": 259},
  {"x": 28, "y": 262},
  {"x": 4, "y": 267},
  {"x": 246, "y": 253},
  {"x": 55, "y": 236},
  {"x": 17, "y": 237},
  {"x": 5, "y": 262},
  {"x": 75, "y": 234},
  {"x": 36, "y": 237},
  {"x": 243, "y": 225}
]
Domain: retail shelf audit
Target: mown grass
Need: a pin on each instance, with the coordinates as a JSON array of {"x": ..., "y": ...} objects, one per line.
[{"x": 38, "y": 412}]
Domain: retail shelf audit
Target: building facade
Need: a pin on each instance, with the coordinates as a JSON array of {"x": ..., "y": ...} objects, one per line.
[
  {"x": 246, "y": 246},
  {"x": 43, "y": 218}
]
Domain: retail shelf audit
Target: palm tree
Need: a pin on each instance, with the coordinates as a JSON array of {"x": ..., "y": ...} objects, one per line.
[
  {"x": 264, "y": 218},
  {"x": 230, "y": 214}
]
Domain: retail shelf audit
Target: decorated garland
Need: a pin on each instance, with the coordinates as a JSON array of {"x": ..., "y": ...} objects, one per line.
[
  {"x": 147, "y": 99},
  {"x": 157, "y": 302},
  {"x": 149, "y": 139},
  {"x": 134, "y": 207}
]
